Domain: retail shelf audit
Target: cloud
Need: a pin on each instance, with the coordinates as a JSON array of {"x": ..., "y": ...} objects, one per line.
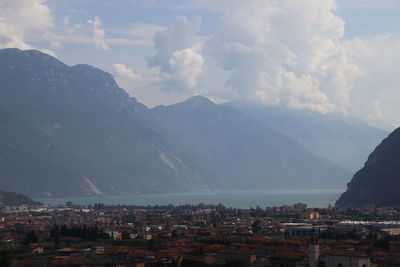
[
  {"x": 123, "y": 71},
  {"x": 145, "y": 3},
  {"x": 181, "y": 36},
  {"x": 178, "y": 56},
  {"x": 375, "y": 92},
  {"x": 22, "y": 19},
  {"x": 286, "y": 52},
  {"x": 376, "y": 112},
  {"x": 79, "y": 27},
  {"x": 138, "y": 34},
  {"x": 357, "y": 4},
  {"x": 98, "y": 33},
  {"x": 25, "y": 22},
  {"x": 186, "y": 66},
  {"x": 293, "y": 53},
  {"x": 143, "y": 30},
  {"x": 177, "y": 64}
]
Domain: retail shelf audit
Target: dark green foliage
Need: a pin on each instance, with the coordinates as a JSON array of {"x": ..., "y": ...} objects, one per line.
[
  {"x": 5, "y": 258},
  {"x": 89, "y": 233},
  {"x": 31, "y": 238},
  {"x": 328, "y": 234},
  {"x": 125, "y": 235},
  {"x": 55, "y": 235},
  {"x": 383, "y": 243},
  {"x": 256, "y": 227},
  {"x": 154, "y": 244},
  {"x": 188, "y": 263},
  {"x": 235, "y": 263}
]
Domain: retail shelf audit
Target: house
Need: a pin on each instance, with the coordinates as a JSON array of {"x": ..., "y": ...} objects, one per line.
[
  {"x": 345, "y": 259},
  {"x": 8, "y": 242},
  {"x": 349, "y": 257},
  {"x": 301, "y": 232},
  {"x": 309, "y": 215},
  {"x": 36, "y": 248},
  {"x": 147, "y": 236}
]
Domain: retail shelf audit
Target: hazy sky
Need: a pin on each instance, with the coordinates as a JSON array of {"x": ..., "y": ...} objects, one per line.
[{"x": 328, "y": 56}]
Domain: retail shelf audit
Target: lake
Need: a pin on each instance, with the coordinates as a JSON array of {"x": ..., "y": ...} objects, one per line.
[{"x": 235, "y": 199}]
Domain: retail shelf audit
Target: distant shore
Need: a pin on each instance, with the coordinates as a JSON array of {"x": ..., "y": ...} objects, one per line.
[{"x": 235, "y": 199}]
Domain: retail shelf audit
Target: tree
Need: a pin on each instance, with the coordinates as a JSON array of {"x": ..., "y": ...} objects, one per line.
[
  {"x": 300, "y": 206},
  {"x": 126, "y": 235},
  {"x": 256, "y": 227},
  {"x": 5, "y": 258},
  {"x": 30, "y": 238},
  {"x": 235, "y": 263},
  {"x": 55, "y": 234}
]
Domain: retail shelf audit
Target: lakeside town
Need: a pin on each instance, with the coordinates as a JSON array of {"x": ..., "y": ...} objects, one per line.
[{"x": 198, "y": 235}]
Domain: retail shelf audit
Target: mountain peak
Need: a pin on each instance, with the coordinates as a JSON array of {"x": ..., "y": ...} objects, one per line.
[
  {"x": 199, "y": 100},
  {"x": 193, "y": 104},
  {"x": 13, "y": 56}
]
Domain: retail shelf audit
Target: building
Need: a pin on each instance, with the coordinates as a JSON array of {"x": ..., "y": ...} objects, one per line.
[
  {"x": 337, "y": 258},
  {"x": 309, "y": 215},
  {"x": 345, "y": 259}
]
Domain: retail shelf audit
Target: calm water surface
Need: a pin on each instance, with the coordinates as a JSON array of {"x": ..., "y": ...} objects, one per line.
[{"x": 235, "y": 199}]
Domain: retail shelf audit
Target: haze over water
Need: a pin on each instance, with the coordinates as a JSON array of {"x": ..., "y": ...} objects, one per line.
[{"x": 235, "y": 199}]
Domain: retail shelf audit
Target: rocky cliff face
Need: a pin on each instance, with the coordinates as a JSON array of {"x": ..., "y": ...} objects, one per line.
[{"x": 378, "y": 182}]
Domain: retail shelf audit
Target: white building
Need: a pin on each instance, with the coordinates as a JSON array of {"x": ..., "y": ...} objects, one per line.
[{"x": 337, "y": 258}]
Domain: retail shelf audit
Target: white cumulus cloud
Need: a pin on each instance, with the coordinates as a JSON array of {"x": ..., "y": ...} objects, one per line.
[
  {"x": 375, "y": 94},
  {"x": 285, "y": 52},
  {"x": 98, "y": 33},
  {"x": 22, "y": 19},
  {"x": 186, "y": 66},
  {"x": 177, "y": 64},
  {"x": 121, "y": 70}
]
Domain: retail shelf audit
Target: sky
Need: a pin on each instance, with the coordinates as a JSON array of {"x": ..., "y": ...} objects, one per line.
[{"x": 323, "y": 55}]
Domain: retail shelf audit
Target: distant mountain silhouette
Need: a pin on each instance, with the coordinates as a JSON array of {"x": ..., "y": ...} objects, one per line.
[
  {"x": 342, "y": 140},
  {"x": 378, "y": 182},
  {"x": 238, "y": 152},
  {"x": 71, "y": 131},
  {"x": 14, "y": 199}
]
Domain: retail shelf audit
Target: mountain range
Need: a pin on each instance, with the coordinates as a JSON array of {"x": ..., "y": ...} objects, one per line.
[
  {"x": 237, "y": 152},
  {"x": 71, "y": 131},
  {"x": 342, "y": 140}
]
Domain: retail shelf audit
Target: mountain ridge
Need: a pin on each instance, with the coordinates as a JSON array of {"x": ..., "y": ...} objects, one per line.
[
  {"x": 243, "y": 146},
  {"x": 79, "y": 121},
  {"x": 75, "y": 132}
]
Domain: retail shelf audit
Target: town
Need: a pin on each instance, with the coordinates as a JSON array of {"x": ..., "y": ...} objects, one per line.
[{"x": 198, "y": 235}]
